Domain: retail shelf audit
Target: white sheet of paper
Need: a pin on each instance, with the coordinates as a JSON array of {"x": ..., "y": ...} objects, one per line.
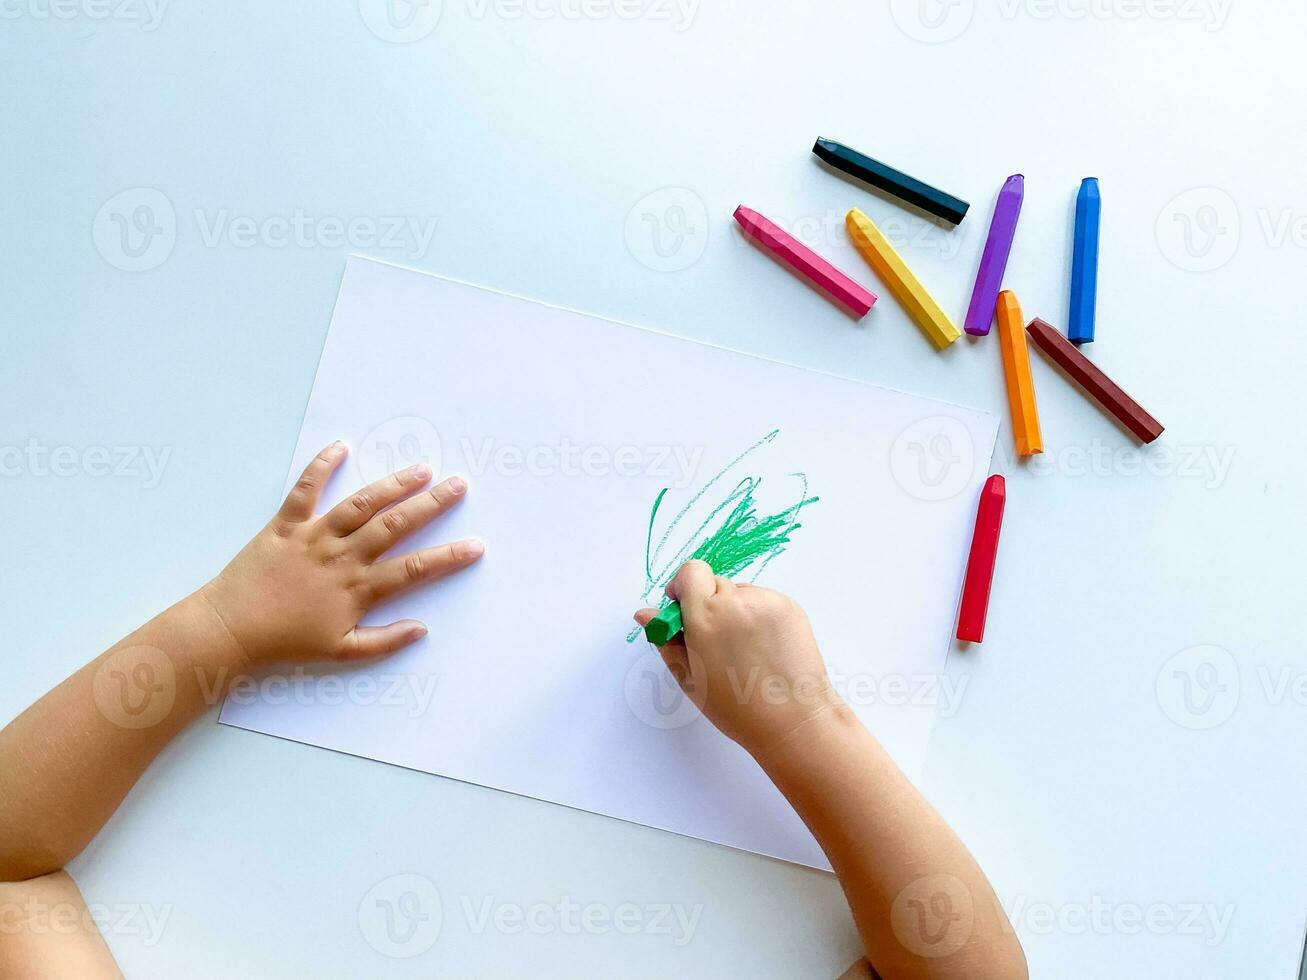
[{"x": 567, "y": 427}]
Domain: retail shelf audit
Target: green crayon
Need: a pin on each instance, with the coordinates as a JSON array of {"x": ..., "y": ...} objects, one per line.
[{"x": 664, "y": 627}]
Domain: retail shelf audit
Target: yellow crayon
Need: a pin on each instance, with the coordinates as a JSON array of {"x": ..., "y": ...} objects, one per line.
[
  {"x": 906, "y": 287},
  {"x": 1016, "y": 370}
]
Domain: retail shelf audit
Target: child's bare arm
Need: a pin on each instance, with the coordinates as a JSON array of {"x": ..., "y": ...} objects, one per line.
[
  {"x": 295, "y": 593},
  {"x": 47, "y": 932},
  {"x": 922, "y": 905}
]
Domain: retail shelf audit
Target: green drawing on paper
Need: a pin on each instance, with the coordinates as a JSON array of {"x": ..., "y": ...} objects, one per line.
[{"x": 733, "y": 539}]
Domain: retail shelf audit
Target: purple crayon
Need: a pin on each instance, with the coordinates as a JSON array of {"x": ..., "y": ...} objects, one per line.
[{"x": 993, "y": 261}]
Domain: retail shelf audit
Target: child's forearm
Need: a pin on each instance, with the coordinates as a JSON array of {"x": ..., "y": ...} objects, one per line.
[
  {"x": 68, "y": 761},
  {"x": 921, "y": 903},
  {"x": 295, "y": 593}
]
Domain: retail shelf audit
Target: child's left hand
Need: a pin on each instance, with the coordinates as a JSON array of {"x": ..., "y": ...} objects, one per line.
[
  {"x": 295, "y": 593},
  {"x": 298, "y": 590}
]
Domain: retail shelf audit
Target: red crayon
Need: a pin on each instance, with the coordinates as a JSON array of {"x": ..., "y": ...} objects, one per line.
[
  {"x": 805, "y": 261},
  {"x": 980, "y": 564}
]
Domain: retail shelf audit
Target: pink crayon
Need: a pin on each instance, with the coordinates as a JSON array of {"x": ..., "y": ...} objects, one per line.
[{"x": 805, "y": 261}]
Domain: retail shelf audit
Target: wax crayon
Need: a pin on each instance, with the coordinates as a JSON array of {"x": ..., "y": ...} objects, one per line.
[
  {"x": 806, "y": 262},
  {"x": 993, "y": 261},
  {"x": 1016, "y": 371},
  {"x": 905, "y": 286},
  {"x": 1091, "y": 378},
  {"x": 891, "y": 181},
  {"x": 980, "y": 562},
  {"x": 1084, "y": 263}
]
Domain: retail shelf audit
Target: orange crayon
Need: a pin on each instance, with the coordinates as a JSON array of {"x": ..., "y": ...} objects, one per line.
[{"x": 1016, "y": 371}]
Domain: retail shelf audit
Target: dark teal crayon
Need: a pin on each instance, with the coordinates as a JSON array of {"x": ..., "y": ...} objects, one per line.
[{"x": 892, "y": 181}]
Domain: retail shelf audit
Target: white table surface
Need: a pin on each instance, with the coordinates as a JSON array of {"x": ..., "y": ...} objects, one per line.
[{"x": 1128, "y": 832}]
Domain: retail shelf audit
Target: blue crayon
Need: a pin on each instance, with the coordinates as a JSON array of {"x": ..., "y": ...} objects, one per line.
[{"x": 1084, "y": 264}]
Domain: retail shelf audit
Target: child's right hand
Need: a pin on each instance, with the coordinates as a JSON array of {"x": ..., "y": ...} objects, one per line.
[{"x": 747, "y": 658}]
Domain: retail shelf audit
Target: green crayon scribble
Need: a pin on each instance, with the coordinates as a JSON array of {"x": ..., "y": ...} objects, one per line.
[{"x": 741, "y": 540}]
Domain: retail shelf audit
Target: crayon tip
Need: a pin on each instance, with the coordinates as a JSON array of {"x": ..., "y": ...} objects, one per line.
[
  {"x": 746, "y": 216},
  {"x": 1089, "y": 187},
  {"x": 828, "y": 150}
]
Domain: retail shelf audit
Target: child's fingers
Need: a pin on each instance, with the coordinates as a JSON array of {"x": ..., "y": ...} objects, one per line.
[
  {"x": 677, "y": 659},
  {"x": 692, "y": 586},
  {"x": 302, "y": 500},
  {"x": 673, "y": 652},
  {"x": 363, "y": 642},
  {"x": 357, "y": 509},
  {"x": 398, "y": 574},
  {"x": 388, "y": 528}
]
